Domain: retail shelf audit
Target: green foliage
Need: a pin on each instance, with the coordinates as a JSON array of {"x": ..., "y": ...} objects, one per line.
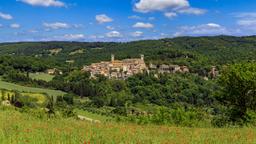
[
  {"x": 250, "y": 118},
  {"x": 198, "y": 53},
  {"x": 50, "y": 105},
  {"x": 15, "y": 76},
  {"x": 175, "y": 88},
  {"x": 179, "y": 116},
  {"x": 23, "y": 64},
  {"x": 185, "y": 99},
  {"x": 239, "y": 89},
  {"x": 67, "y": 98},
  {"x": 111, "y": 93}
]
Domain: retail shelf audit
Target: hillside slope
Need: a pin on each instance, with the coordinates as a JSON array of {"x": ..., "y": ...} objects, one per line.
[
  {"x": 18, "y": 128},
  {"x": 191, "y": 51}
]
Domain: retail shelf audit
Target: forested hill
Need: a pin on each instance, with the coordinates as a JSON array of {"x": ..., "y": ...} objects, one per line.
[{"x": 195, "y": 52}]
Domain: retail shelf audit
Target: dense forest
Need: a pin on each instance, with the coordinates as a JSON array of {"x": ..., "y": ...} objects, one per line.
[
  {"x": 191, "y": 51},
  {"x": 181, "y": 99}
]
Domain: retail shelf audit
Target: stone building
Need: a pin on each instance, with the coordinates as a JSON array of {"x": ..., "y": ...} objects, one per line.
[
  {"x": 120, "y": 69},
  {"x": 54, "y": 71},
  {"x": 213, "y": 73},
  {"x": 168, "y": 68}
]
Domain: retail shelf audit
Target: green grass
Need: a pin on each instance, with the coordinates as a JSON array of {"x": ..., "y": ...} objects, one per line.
[
  {"x": 41, "y": 76},
  {"x": 17, "y": 128},
  {"x": 15, "y": 87},
  {"x": 41, "y": 98}
]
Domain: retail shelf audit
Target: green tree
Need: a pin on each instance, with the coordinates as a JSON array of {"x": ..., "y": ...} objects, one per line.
[
  {"x": 50, "y": 106},
  {"x": 239, "y": 89}
]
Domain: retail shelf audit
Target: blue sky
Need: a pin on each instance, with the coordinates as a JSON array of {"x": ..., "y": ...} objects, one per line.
[{"x": 123, "y": 20}]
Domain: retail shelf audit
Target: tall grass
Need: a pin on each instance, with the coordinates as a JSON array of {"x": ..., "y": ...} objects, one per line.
[
  {"x": 22, "y": 128},
  {"x": 15, "y": 87}
]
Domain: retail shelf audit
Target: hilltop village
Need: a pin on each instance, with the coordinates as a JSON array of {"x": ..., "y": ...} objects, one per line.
[{"x": 122, "y": 69}]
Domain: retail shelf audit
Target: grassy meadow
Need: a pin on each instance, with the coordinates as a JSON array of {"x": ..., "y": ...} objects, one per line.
[
  {"x": 15, "y": 87},
  {"x": 40, "y": 97},
  {"x": 41, "y": 76},
  {"x": 20, "y": 128}
]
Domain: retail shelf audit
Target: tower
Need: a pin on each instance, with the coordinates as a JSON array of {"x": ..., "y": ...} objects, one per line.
[
  {"x": 142, "y": 57},
  {"x": 112, "y": 57}
]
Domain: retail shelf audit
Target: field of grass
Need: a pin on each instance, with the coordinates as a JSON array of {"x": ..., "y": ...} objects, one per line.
[
  {"x": 41, "y": 98},
  {"x": 15, "y": 87},
  {"x": 17, "y": 128},
  {"x": 41, "y": 76}
]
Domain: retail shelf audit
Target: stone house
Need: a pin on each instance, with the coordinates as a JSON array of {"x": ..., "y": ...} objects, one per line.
[
  {"x": 213, "y": 73},
  {"x": 168, "y": 68},
  {"x": 54, "y": 71}
]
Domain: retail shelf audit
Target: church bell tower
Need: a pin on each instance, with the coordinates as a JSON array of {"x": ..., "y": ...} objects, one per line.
[{"x": 112, "y": 57}]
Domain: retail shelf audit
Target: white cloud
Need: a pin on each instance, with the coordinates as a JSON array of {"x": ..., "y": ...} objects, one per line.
[
  {"x": 5, "y": 16},
  {"x": 246, "y": 15},
  {"x": 103, "y": 18},
  {"x": 247, "y": 21},
  {"x": 15, "y": 26},
  {"x": 143, "y": 25},
  {"x": 56, "y": 25},
  {"x": 44, "y": 3},
  {"x": 114, "y": 34},
  {"x": 74, "y": 36},
  {"x": 177, "y": 6},
  {"x": 33, "y": 31},
  {"x": 110, "y": 28},
  {"x": 151, "y": 18},
  {"x": 213, "y": 25},
  {"x": 60, "y": 25},
  {"x": 78, "y": 25},
  {"x": 247, "y": 25},
  {"x": 93, "y": 37},
  {"x": 137, "y": 34},
  {"x": 159, "y": 5},
  {"x": 204, "y": 29},
  {"x": 170, "y": 14},
  {"x": 101, "y": 37},
  {"x": 65, "y": 37},
  {"x": 194, "y": 11},
  {"x": 163, "y": 34},
  {"x": 134, "y": 17}
]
